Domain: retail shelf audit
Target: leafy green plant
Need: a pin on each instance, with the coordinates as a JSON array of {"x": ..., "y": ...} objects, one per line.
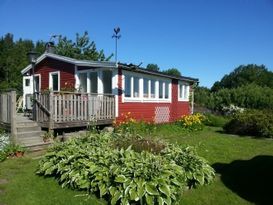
[
  {"x": 215, "y": 120},
  {"x": 191, "y": 122},
  {"x": 251, "y": 122},
  {"x": 121, "y": 175}
]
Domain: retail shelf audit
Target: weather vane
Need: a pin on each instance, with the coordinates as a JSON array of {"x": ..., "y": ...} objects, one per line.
[{"x": 116, "y": 36}]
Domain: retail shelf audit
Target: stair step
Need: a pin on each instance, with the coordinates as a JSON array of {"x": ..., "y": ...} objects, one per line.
[
  {"x": 21, "y": 129},
  {"x": 26, "y": 123},
  {"x": 30, "y": 134},
  {"x": 38, "y": 146}
]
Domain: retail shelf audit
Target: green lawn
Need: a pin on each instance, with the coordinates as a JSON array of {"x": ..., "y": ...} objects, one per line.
[{"x": 244, "y": 173}]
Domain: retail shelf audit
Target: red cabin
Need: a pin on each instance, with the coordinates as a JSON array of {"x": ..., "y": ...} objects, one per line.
[{"x": 147, "y": 95}]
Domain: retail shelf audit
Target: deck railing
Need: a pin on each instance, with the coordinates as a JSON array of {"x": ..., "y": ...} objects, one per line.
[
  {"x": 67, "y": 108},
  {"x": 8, "y": 112}
]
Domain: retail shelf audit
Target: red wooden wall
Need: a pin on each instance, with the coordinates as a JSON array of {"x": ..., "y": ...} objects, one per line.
[
  {"x": 67, "y": 78},
  {"x": 147, "y": 111}
]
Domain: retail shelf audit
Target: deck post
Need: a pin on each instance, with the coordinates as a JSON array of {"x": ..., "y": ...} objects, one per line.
[
  {"x": 51, "y": 122},
  {"x": 13, "y": 129}
]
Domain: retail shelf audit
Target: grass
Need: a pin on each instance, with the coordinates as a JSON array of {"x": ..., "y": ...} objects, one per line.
[{"x": 244, "y": 168}]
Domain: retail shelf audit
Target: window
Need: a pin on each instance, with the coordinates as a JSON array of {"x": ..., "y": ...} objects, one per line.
[
  {"x": 152, "y": 89},
  {"x": 93, "y": 82},
  {"x": 127, "y": 86},
  {"x": 145, "y": 89},
  {"x": 27, "y": 82},
  {"x": 183, "y": 90},
  {"x": 83, "y": 82},
  {"x": 160, "y": 89},
  {"x": 136, "y": 87},
  {"x": 107, "y": 81},
  {"x": 54, "y": 81},
  {"x": 37, "y": 83},
  {"x": 166, "y": 90}
]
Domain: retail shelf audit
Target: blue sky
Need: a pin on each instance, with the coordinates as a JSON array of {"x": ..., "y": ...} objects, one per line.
[{"x": 203, "y": 38}]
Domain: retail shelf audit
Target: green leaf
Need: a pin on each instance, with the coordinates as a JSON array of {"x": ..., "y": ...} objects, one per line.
[
  {"x": 149, "y": 199},
  {"x": 120, "y": 179},
  {"x": 165, "y": 189},
  {"x": 103, "y": 190},
  {"x": 151, "y": 189},
  {"x": 167, "y": 200},
  {"x": 133, "y": 195},
  {"x": 116, "y": 197},
  {"x": 160, "y": 200}
]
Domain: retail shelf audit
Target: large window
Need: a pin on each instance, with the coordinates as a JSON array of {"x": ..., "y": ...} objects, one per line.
[
  {"x": 142, "y": 88},
  {"x": 107, "y": 81},
  {"x": 145, "y": 88},
  {"x": 93, "y": 82},
  {"x": 54, "y": 81},
  {"x": 83, "y": 82},
  {"x": 127, "y": 86},
  {"x": 183, "y": 92}
]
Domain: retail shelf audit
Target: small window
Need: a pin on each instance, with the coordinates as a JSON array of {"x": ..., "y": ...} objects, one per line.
[
  {"x": 136, "y": 87},
  {"x": 54, "y": 81},
  {"x": 127, "y": 86},
  {"x": 27, "y": 82},
  {"x": 145, "y": 88},
  {"x": 152, "y": 88}
]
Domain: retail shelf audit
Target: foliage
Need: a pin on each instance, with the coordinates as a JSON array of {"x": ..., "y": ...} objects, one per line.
[
  {"x": 123, "y": 175},
  {"x": 81, "y": 48},
  {"x": 152, "y": 67},
  {"x": 48, "y": 136},
  {"x": 215, "y": 120},
  {"x": 172, "y": 71},
  {"x": 244, "y": 75},
  {"x": 232, "y": 110},
  {"x": 251, "y": 122},
  {"x": 191, "y": 122},
  {"x": 4, "y": 139},
  {"x": 128, "y": 124},
  {"x": 248, "y": 96},
  {"x": 10, "y": 150},
  {"x": 139, "y": 143}
]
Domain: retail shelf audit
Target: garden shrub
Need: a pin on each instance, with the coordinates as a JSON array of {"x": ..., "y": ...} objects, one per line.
[
  {"x": 128, "y": 124},
  {"x": 191, "y": 122},
  {"x": 125, "y": 176},
  {"x": 215, "y": 120},
  {"x": 251, "y": 122}
]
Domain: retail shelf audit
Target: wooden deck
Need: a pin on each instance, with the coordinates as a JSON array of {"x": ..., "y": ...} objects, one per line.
[{"x": 63, "y": 110}]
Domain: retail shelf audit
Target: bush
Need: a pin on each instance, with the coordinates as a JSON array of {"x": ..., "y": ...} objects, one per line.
[
  {"x": 191, "y": 122},
  {"x": 251, "y": 122},
  {"x": 128, "y": 124},
  {"x": 215, "y": 120},
  {"x": 125, "y": 176}
]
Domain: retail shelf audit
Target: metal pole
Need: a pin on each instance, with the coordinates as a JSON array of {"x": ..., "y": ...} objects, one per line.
[
  {"x": 33, "y": 87},
  {"x": 116, "y": 56}
]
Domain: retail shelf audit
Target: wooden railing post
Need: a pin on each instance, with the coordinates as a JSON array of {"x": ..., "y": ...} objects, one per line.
[
  {"x": 13, "y": 129},
  {"x": 51, "y": 121}
]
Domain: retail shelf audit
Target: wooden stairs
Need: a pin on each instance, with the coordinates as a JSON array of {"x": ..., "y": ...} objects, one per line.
[{"x": 29, "y": 134}]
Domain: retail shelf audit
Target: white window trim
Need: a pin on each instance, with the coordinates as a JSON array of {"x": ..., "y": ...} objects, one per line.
[
  {"x": 39, "y": 76},
  {"x": 141, "y": 84},
  {"x": 186, "y": 86},
  {"x": 51, "y": 82}
]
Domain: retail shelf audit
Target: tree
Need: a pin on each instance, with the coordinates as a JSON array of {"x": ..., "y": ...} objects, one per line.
[
  {"x": 82, "y": 48},
  {"x": 152, "y": 67},
  {"x": 172, "y": 71},
  {"x": 244, "y": 75}
]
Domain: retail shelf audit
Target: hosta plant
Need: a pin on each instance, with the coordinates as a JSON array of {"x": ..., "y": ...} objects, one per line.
[{"x": 124, "y": 176}]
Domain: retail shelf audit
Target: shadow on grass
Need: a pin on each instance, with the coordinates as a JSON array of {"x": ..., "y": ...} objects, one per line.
[{"x": 250, "y": 179}]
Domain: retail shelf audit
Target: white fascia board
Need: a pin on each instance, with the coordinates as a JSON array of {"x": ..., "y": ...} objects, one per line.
[{"x": 104, "y": 64}]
